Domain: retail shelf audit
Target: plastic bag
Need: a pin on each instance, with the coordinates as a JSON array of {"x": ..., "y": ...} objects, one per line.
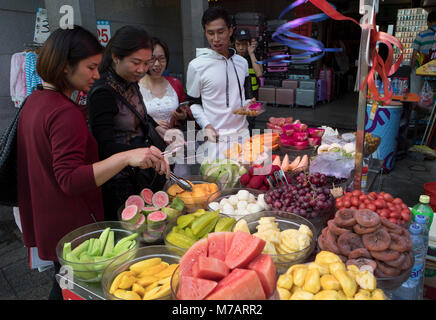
[
  {"x": 333, "y": 164},
  {"x": 426, "y": 96}
]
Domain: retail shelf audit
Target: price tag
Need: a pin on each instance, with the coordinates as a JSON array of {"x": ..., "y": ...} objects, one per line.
[
  {"x": 104, "y": 31},
  {"x": 373, "y": 110},
  {"x": 42, "y": 30}
]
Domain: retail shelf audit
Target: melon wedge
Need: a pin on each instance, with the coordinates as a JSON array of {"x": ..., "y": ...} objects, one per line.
[
  {"x": 217, "y": 245},
  {"x": 277, "y": 161},
  {"x": 245, "y": 247},
  {"x": 294, "y": 163},
  {"x": 210, "y": 269},
  {"x": 285, "y": 163},
  {"x": 191, "y": 257},
  {"x": 264, "y": 267},
  {"x": 240, "y": 284},
  {"x": 304, "y": 162},
  {"x": 191, "y": 288},
  {"x": 229, "y": 240}
]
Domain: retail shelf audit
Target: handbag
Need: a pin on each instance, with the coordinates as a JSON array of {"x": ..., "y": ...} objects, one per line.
[{"x": 8, "y": 162}]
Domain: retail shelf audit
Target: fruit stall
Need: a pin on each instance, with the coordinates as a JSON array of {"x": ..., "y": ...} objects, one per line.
[{"x": 249, "y": 229}]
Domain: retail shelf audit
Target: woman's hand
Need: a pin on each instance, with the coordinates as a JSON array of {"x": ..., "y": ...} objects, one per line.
[
  {"x": 182, "y": 115},
  {"x": 145, "y": 158},
  {"x": 163, "y": 123}
]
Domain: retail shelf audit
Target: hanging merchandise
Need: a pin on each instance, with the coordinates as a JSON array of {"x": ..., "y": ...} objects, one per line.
[
  {"x": 426, "y": 96},
  {"x": 32, "y": 77},
  {"x": 313, "y": 50},
  {"x": 18, "y": 78}
]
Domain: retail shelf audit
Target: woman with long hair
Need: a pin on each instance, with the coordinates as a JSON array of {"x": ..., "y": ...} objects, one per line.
[
  {"x": 118, "y": 116},
  {"x": 58, "y": 168}
]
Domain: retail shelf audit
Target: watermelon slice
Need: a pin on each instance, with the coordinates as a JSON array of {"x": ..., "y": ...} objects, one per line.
[
  {"x": 147, "y": 195},
  {"x": 160, "y": 199},
  {"x": 264, "y": 266},
  {"x": 245, "y": 247},
  {"x": 217, "y": 245},
  {"x": 229, "y": 239},
  {"x": 191, "y": 256},
  {"x": 191, "y": 288},
  {"x": 210, "y": 268},
  {"x": 136, "y": 200},
  {"x": 131, "y": 214},
  {"x": 240, "y": 284}
]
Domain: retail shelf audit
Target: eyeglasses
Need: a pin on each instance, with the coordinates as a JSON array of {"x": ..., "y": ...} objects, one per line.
[{"x": 161, "y": 59}]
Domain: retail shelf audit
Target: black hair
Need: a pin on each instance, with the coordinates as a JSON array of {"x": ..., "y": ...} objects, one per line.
[
  {"x": 431, "y": 16},
  {"x": 164, "y": 46},
  {"x": 65, "y": 47},
  {"x": 125, "y": 41},
  {"x": 214, "y": 13}
]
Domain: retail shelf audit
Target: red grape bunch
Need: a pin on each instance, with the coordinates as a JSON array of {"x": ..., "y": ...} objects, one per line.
[{"x": 308, "y": 197}]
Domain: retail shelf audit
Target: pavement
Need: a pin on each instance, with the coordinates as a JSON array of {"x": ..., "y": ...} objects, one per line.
[{"x": 19, "y": 282}]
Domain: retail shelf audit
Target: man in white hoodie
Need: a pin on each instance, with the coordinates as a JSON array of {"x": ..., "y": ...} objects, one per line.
[{"x": 215, "y": 81}]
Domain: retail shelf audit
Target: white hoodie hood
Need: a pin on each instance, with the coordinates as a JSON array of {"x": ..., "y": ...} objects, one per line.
[{"x": 212, "y": 78}]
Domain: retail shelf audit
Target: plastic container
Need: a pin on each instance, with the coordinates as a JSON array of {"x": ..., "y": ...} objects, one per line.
[
  {"x": 300, "y": 136},
  {"x": 386, "y": 124},
  {"x": 227, "y": 193},
  {"x": 192, "y": 203},
  {"x": 316, "y": 132},
  {"x": 92, "y": 272},
  {"x": 168, "y": 254},
  {"x": 293, "y": 152},
  {"x": 175, "y": 287},
  {"x": 282, "y": 262},
  {"x": 423, "y": 208},
  {"x": 412, "y": 289},
  {"x": 301, "y": 145},
  {"x": 170, "y": 227}
]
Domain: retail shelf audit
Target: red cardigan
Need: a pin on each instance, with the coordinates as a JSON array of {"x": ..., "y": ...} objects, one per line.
[{"x": 56, "y": 185}]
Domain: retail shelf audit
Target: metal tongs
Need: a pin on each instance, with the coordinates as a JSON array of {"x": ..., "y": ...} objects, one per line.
[
  {"x": 280, "y": 177},
  {"x": 181, "y": 182}
]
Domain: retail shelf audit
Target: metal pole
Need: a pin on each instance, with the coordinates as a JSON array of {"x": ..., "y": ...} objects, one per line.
[{"x": 367, "y": 8}]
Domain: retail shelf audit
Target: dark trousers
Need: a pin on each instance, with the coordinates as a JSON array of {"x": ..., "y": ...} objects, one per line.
[{"x": 56, "y": 292}]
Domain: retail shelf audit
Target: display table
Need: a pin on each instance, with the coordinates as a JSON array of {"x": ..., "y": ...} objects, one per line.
[{"x": 79, "y": 290}]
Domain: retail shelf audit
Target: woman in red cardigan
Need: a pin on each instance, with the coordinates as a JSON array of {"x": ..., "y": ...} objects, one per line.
[{"x": 59, "y": 173}]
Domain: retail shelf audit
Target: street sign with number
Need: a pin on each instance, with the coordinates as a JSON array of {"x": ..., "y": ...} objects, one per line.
[{"x": 104, "y": 31}]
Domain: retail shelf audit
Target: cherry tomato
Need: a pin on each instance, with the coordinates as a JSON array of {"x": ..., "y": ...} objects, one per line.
[
  {"x": 356, "y": 193},
  {"x": 395, "y": 214},
  {"x": 339, "y": 204},
  {"x": 371, "y": 207},
  {"x": 393, "y": 220},
  {"x": 404, "y": 206},
  {"x": 405, "y": 215},
  {"x": 391, "y": 206},
  {"x": 372, "y": 196},
  {"x": 367, "y": 201},
  {"x": 353, "y": 207},
  {"x": 384, "y": 213},
  {"x": 347, "y": 203},
  {"x": 387, "y": 197},
  {"x": 397, "y": 201},
  {"x": 355, "y": 201},
  {"x": 363, "y": 197},
  {"x": 362, "y": 206},
  {"x": 379, "y": 204},
  {"x": 398, "y": 207}
]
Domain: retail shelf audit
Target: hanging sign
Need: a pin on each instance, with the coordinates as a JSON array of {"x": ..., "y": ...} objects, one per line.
[
  {"x": 104, "y": 31},
  {"x": 42, "y": 30}
]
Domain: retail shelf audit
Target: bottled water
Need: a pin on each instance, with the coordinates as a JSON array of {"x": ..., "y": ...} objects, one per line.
[
  {"x": 422, "y": 220},
  {"x": 423, "y": 208},
  {"x": 412, "y": 289}
]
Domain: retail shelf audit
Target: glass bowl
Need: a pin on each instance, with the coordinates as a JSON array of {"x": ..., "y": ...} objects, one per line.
[
  {"x": 284, "y": 261},
  {"x": 175, "y": 287},
  {"x": 192, "y": 203},
  {"x": 294, "y": 152},
  {"x": 145, "y": 236},
  {"x": 92, "y": 271},
  {"x": 226, "y": 193},
  {"x": 393, "y": 283},
  {"x": 170, "y": 227},
  {"x": 168, "y": 254}
]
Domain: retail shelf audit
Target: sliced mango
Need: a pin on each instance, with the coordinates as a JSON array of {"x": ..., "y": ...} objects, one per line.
[
  {"x": 126, "y": 282},
  {"x": 153, "y": 270},
  {"x": 152, "y": 286},
  {"x": 143, "y": 265},
  {"x": 146, "y": 280},
  {"x": 149, "y": 294},
  {"x": 138, "y": 289},
  {"x": 131, "y": 295},
  {"x": 116, "y": 283},
  {"x": 167, "y": 272},
  {"x": 163, "y": 291}
]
